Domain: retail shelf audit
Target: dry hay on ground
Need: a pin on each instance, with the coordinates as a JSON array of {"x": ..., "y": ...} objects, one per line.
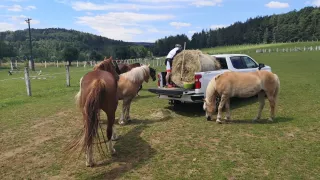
[{"x": 194, "y": 61}]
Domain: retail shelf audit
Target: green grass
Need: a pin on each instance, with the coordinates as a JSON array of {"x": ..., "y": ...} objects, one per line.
[
  {"x": 34, "y": 131},
  {"x": 251, "y": 48}
]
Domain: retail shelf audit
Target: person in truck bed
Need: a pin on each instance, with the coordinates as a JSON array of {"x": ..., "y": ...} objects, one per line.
[{"x": 168, "y": 62}]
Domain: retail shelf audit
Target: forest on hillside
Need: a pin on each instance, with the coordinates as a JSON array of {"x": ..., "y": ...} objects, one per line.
[
  {"x": 51, "y": 44},
  {"x": 303, "y": 25}
]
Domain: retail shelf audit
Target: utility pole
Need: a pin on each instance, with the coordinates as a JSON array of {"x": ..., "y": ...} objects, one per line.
[{"x": 31, "y": 62}]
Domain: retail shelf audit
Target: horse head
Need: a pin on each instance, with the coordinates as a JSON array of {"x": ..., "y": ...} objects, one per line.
[
  {"x": 152, "y": 73},
  {"x": 108, "y": 65},
  {"x": 209, "y": 107}
]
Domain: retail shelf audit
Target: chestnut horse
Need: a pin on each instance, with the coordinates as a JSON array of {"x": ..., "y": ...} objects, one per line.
[
  {"x": 127, "y": 67},
  {"x": 243, "y": 85},
  {"x": 98, "y": 90},
  {"x": 128, "y": 86}
]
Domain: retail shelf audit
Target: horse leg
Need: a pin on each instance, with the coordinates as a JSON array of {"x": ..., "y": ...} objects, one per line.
[
  {"x": 228, "y": 112},
  {"x": 123, "y": 117},
  {"x": 111, "y": 119},
  {"x": 89, "y": 156},
  {"x": 272, "y": 106},
  {"x": 223, "y": 100},
  {"x": 121, "y": 120},
  {"x": 261, "y": 106},
  {"x": 127, "y": 117}
]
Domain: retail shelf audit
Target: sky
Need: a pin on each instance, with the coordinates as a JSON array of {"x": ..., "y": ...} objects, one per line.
[{"x": 139, "y": 20}]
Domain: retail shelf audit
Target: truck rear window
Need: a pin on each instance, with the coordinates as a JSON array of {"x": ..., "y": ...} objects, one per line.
[{"x": 223, "y": 62}]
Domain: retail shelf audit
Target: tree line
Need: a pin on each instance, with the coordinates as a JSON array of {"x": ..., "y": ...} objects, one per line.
[
  {"x": 56, "y": 44},
  {"x": 303, "y": 25}
]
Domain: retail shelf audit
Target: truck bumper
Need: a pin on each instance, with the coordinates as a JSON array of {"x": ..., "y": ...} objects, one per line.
[{"x": 179, "y": 94}]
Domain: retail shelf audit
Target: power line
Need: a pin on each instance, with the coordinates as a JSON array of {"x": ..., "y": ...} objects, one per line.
[{"x": 30, "y": 45}]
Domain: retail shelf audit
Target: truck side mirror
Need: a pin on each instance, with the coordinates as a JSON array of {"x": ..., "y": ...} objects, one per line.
[{"x": 261, "y": 65}]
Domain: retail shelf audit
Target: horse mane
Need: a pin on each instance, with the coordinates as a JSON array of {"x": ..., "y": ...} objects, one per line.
[
  {"x": 137, "y": 74},
  {"x": 211, "y": 89}
]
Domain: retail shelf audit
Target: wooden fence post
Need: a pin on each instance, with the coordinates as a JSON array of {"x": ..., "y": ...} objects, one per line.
[
  {"x": 68, "y": 75},
  {"x": 77, "y": 63},
  {"x": 27, "y": 80},
  {"x": 45, "y": 64}
]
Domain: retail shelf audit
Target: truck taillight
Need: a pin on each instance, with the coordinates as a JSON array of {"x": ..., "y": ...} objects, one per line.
[
  {"x": 197, "y": 83},
  {"x": 158, "y": 80}
]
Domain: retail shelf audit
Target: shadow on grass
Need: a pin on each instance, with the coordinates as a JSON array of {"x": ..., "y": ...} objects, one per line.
[
  {"x": 196, "y": 109},
  {"x": 261, "y": 121},
  {"x": 132, "y": 151}
]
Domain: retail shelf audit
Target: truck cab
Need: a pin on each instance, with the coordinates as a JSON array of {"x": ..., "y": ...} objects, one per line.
[{"x": 233, "y": 62}]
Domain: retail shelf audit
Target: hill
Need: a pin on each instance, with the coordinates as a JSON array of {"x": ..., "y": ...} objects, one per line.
[{"x": 48, "y": 44}]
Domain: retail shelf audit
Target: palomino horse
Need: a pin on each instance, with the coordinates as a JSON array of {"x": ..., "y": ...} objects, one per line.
[
  {"x": 129, "y": 84},
  {"x": 98, "y": 90},
  {"x": 127, "y": 67},
  {"x": 243, "y": 85}
]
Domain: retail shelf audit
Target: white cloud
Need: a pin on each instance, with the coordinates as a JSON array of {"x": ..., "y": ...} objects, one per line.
[
  {"x": 153, "y": 30},
  {"x": 191, "y": 32},
  {"x": 179, "y": 24},
  {"x": 30, "y": 8},
  {"x": 200, "y": 3},
  {"x": 217, "y": 26},
  {"x": 314, "y": 2},
  {"x": 88, "y": 6},
  {"x": 17, "y": 8},
  {"x": 33, "y": 22},
  {"x": 277, "y": 4},
  {"x": 120, "y": 25},
  {"x": 6, "y": 27}
]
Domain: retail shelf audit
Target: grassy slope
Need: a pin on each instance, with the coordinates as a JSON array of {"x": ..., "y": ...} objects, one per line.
[
  {"x": 35, "y": 129},
  {"x": 250, "y": 48}
]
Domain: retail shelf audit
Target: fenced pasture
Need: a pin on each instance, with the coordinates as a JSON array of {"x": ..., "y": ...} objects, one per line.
[
  {"x": 266, "y": 48},
  {"x": 163, "y": 142}
]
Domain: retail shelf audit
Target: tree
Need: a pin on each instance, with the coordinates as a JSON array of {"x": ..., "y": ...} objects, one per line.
[{"x": 70, "y": 54}]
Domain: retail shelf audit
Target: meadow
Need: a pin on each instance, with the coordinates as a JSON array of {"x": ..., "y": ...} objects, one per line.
[{"x": 165, "y": 142}]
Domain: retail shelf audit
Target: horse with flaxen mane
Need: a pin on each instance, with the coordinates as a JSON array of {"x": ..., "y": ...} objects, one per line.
[
  {"x": 129, "y": 84},
  {"x": 98, "y": 90},
  {"x": 243, "y": 85},
  {"x": 127, "y": 67}
]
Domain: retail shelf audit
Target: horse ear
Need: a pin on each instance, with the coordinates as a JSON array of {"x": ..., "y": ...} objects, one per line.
[{"x": 110, "y": 57}]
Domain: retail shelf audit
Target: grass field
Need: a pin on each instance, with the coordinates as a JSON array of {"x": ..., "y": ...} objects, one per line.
[{"x": 180, "y": 145}]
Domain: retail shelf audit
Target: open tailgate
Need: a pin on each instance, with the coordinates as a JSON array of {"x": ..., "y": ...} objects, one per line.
[{"x": 171, "y": 91}]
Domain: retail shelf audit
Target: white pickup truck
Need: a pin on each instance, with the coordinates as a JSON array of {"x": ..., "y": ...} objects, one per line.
[{"x": 233, "y": 62}]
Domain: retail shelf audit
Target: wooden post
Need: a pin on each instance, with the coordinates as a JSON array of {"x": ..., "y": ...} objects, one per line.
[
  {"x": 27, "y": 80},
  {"x": 77, "y": 63},
  {"x": 16, "y": 64},
  {"x": 57, "y": 63},
  {"x": 68, "y": 75},
  {"x": 45, "y": 64},
  {"x": 11, "y": 64}
]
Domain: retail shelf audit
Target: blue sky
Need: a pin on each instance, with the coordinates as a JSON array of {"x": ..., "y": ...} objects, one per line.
[{"x": 138, "y": 20}]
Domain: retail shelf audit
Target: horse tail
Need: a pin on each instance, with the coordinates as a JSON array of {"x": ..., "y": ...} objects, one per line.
[
  {"x": 77, "y": 96},
  {"x": 277, "y": 89},
  {"x": 90, "y": 111}
]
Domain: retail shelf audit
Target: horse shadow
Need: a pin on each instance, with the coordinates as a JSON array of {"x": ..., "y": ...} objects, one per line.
[
  {"x": 196, "y": 109},
  {"x": 132, "y": 151},
  {"x": 260, "y": 121}
]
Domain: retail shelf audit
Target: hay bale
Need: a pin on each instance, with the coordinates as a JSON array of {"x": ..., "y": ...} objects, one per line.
[{"x": 194, "y": 61}]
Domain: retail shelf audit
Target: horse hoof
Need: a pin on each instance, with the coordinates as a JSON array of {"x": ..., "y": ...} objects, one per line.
[
  {"x": 218, "y": 121},
  {"x": 90, "y": 164},
  {"x": 115, "y": 138},
  {"x": 270, "y": 119}
]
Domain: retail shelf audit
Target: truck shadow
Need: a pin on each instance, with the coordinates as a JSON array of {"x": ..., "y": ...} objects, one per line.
[{"x": 196, "y": 109}]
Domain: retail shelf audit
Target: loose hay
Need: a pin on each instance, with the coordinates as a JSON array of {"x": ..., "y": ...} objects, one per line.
[{"x": 194, "y": 61}]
